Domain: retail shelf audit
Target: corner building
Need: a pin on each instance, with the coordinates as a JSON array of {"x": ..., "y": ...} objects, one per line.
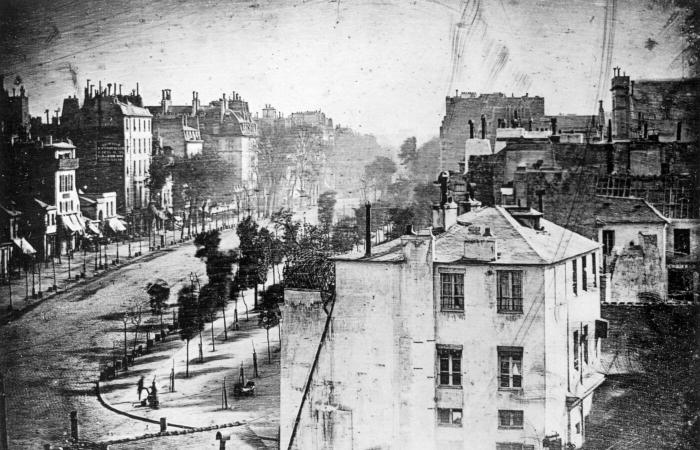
[{"x": 481, "y": 333}]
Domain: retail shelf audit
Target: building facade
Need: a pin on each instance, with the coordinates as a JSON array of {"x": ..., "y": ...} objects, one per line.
[{"x": 483, "y": 336}]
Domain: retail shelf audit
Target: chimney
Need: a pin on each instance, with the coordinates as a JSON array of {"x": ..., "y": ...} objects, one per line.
[
  {"x": 471, "y": 129},
  {"x": 483, "y": 126},
  {"x": 223, "y": 107},
  {"x": 120, "y": 89},
  {"x": 109, "y": 88},
  {"x": 540, "y": 205},
  {"x": 554, "y": 125},
  {"x": 99, "y": 88},
  {"x": 679, "y": 129},
  {"x": 368, "y": 231},
  {"x": 48, "y": 122},
  {"x": 609, "y": 130},
  {"x": 137, "y": 88}
]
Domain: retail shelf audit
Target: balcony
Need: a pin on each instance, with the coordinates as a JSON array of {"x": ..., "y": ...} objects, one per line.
[{"x": 67, "y": 164}]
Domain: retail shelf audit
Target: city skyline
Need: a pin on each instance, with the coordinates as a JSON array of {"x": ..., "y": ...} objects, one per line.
[{"x": 380, "y": 68}]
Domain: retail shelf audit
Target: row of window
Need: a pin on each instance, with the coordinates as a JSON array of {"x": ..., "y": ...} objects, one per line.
[
  {"x": 65, "y": 206},
  {"x": 583, "y": 273},
  {"x": 137, "y": 124},
  {"x": 508, "y": 419},
  {"x": 140, "y": 145},
  {"x": 138, "y": 170},
  {"x": 509, "y": 295},
  {"x": 681, "y": 241},
  {"x": 510, "y": 367},
  {"x": 65, "y": 183}
]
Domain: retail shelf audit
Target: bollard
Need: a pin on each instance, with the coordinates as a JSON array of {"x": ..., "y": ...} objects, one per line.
[
  {"x": 163, "y": 424},
  {"x": 222, "y": 438},
  {"x": 74, "y": 425}
]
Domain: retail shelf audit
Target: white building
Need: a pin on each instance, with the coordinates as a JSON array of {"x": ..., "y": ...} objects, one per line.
[{"x": 483, "y": 333}]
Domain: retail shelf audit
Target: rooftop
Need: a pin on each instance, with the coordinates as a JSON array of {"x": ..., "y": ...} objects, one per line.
[
  {"x": 625, "y": 210},
  {"x": 129, "y": 109},
  {"x": 517, "y": 243}
]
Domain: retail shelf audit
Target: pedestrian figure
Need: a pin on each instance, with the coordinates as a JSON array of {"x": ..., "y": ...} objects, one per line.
[{"x": 139, "y": 387}]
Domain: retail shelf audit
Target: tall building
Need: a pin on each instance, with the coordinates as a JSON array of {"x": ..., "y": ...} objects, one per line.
[
  {"x": 664, "y": 110},
  {"x": 176, "y": 127},
  {"x": 113, "y": 134},
  {"x": 483, "y": 332},
  {"x": 228, "y": 130},
  {"x": 482, "y": 114}
]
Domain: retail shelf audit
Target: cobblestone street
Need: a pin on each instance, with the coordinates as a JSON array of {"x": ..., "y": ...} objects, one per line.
[{"x": 58, "y": 347}]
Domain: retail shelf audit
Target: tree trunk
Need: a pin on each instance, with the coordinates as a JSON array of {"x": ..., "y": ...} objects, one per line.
[
  {"x": 187, "y": 360},
  {"x": 269, "y": 358},
  {"x": 255, "y": 299},
  {"x": 201, "y": 357},
  {"x": 213, "y": 346},
  {"x": 223, "y": 312}
]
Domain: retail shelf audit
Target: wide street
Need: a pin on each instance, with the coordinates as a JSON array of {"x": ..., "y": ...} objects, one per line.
[{"x": 51, "y": 355}]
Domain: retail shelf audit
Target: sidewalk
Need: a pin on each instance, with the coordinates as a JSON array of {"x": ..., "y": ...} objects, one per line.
[
  {"x": 198, "y": 400},
  {"x": 28, "y": 289}
]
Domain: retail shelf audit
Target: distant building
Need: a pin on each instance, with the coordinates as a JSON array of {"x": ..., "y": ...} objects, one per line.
[
  {"x": 45, "y": 190},
  {"x": 482, "y": 333},
  {"x": 12, "y": 246},
  {"x": 482, "y": 115},
  {"x": 14, "y": 110},
  {"x": 229, "y": 131},
  {"x": 176, "y": 128},
  {"x": 665, "y": 110},
  {"x": 113, "y": 134}
]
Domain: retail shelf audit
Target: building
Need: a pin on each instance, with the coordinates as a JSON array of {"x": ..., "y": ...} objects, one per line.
[
  {"x": 44, "y": 188},
  {"x": 665, "y": 110},
  {"x": 113, "y": 135},
  {"x": 480, "y": 116},
  {"x": 229, "y": 131},
  {"x": 12, "y": 246},
  {"x": 481, "y": 333},
  {"x": 14, "y": 110},
  {"x": 176, "y": 128}
]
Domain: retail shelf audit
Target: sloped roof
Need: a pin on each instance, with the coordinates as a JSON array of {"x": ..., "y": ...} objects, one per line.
[
  {"x": 625, "y": 210},
  {"x": 516, "y": 244},
  {"x": 129, "y": 109}
]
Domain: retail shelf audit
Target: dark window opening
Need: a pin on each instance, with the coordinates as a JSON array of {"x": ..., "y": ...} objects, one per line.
[
  {"x": 681, "y": 241},
  {"x": 608, "y": 241}
]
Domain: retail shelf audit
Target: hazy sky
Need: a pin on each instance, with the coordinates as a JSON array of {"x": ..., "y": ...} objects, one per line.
[{"x": 381, "y": 67}]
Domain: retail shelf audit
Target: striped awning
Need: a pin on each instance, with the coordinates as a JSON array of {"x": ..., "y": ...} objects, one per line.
[
  {"x": 72, "y": 223},
  {"x": 116, "y": 225},
  {"x": 25, "y": 246}
]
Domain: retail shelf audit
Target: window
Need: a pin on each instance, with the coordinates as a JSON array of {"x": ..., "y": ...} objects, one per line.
[
  {"x": 513, "y": 446},
  {"x": 594, "y": 270},
  {"x": 608, "y": 241},
  {"x": 584, "y": 343},
  {"x": 510, "y": 291},
  {"x": 584, "y": 275},
  {"x": 449, "y": 366},
  {"x": 508, "y": 418},
  {"x": 576, "y": 348},
  {"x": 452, "y": 291},
  {"x": 681, "y": 241},
  {"x": 574, "y": 277},
  {"x": 449, "y": 416},
  {"x": 510, "y": 365}
]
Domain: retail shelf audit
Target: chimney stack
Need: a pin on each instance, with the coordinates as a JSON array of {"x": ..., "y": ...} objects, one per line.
[
  {"x": 540, "y": 205},
  {"x": 471, "y": 129},
  {"x": 554, "y": 125},
  {"x": 48, "y": 122},
  {"x": 137, "y": 88},
  {"x": 368, "y": 231}
]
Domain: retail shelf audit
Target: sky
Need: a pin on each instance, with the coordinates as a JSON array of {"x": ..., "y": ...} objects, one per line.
[{"x": 382, "y": 67}]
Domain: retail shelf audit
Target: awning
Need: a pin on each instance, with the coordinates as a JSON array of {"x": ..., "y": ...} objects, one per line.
[
  {"x": 158, "y": 213},
  {"x": 116, "y": 225},
  {"x": 93, "y": 228},
  {"x": 23, "y": 245},
  {"x": 72, "y": 223}
]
